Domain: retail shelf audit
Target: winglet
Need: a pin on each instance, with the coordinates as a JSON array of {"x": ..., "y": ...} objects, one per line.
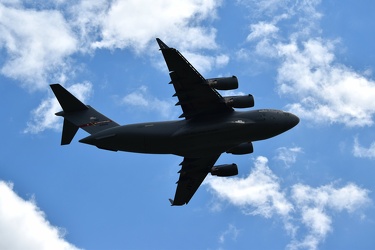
[{"x": 161, "y": 44}]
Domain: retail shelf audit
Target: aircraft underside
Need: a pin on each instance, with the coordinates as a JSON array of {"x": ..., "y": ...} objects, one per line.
[
  {"x": 189, "y": 139},
  {"x": 210, "y": 125}
]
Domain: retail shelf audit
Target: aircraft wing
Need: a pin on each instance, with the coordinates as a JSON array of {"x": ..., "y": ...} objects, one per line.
[
  {"x": 192, "y": 174},
  {"x": 195, "y": 96}
]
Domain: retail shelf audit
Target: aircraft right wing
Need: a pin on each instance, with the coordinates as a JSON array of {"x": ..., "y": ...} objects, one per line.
[
  {"x": 195, "y": 96},
  {"x": 192, "y": 174}
]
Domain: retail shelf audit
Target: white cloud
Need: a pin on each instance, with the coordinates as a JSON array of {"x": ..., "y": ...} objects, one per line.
[
  {"x": 231, "y": 92},
  {"x": 24, "y": 226},
  {"x": 316, "y": 204},
  {"x": 85, "y": 18},
  {"x": 288, "y": 155},
  {"x": 43, "y": 117},
  {"x": 318, "y": 222},
  {"x": 142, "y": 99},
  {"x": 257, "y": 194},
  {"x": 261, "y": 29},
  {"x": 328, "y": 92},
  {"x": 221, "y": 60},
  {"x": 205, "y": 63},
  {"x": 136, "y": 23},
  {"x": 37, "y": 44},
  {"x": 306, "y": 212},
  {"x": 362, "y": 152},
  {"x": 325, "y": 90},
  {"x": 263, "y": 33}
]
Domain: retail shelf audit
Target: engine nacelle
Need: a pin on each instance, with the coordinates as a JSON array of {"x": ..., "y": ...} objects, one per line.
[
  {"x": 225, "y": 170},
  {"x": 223, "y": 83},
  {"x": 243, "y": 101},
  {"x": 242, "y": 149}
]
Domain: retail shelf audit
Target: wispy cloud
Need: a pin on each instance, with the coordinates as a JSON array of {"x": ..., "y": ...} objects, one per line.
[
  {"x": 231, "y": 232},
  {"x": 43, "y": 117},
  {"x": 288, "y": 155},
  {"x": 141, "y": 99},
  {"x": 24, "y": 226},
  {"x": 307, "y": 212},
  {"x": 261, "y": 30},
  {"x": 363, "y": 152}
]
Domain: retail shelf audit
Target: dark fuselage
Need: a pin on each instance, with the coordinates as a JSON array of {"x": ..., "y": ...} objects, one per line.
[{"x": 195, "y": 137}]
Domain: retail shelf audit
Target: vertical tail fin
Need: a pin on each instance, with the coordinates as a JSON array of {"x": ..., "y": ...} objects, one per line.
[{"x": 78, "y": 115}]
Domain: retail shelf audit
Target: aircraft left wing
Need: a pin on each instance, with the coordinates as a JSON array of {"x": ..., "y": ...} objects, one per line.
[
  {"x": 195, "y": 96},
  {"x": 192, "y": 174}
]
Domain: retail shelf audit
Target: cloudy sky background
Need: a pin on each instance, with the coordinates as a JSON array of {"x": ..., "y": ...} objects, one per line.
[{"x": 310, "y": 188}]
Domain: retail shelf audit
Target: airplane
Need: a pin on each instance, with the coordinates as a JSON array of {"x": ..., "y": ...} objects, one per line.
[{"x": 210, "y": 125}]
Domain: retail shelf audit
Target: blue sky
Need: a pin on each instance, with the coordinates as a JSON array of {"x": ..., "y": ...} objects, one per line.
[{"x": 310, "y": 188}]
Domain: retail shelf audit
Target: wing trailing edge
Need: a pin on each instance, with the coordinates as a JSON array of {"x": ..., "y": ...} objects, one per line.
[{"x": 192, "y": 174}]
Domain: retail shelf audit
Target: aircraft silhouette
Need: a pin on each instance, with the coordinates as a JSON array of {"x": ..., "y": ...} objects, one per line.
[{"x": 210, "y": 126}]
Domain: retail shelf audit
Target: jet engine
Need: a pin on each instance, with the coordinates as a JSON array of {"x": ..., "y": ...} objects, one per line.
[
  {"x": 225, "y": 170},
  {"x": 241, "y": 149},
  {"x": 243, "y": 101},
  {"x": 223, "y": 83}
]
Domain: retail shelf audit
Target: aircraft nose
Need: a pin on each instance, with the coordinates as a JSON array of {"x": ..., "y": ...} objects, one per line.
[
  {"x": 88, "y": 140},
  {"x": 293, "y": 120}
]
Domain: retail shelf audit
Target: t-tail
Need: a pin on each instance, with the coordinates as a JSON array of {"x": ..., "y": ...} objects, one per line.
[{"x": 78, "y": 115}]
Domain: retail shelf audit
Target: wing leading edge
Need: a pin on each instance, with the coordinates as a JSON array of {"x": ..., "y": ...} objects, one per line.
[
  {"x": 192, "y": 174},
  {"x": 195, "y": 96}
]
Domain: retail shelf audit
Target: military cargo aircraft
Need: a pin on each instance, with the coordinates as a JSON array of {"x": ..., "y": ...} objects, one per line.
[{"x": 210, "y": 125}]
